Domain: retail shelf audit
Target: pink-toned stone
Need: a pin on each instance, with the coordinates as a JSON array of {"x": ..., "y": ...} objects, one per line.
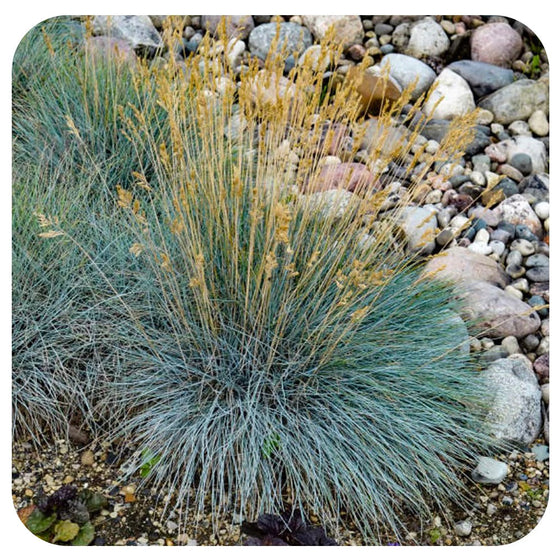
[
  {"x": 497, "y": 314},
  {"x": 334, "y": 138},
  {"x": 517, "y": 210},
  {"x": 496, "y": 43},
  {"x": 357, "y": 52},
  {"x": 353, "y": 177},
  {"x": 460, "y": 265},
  {"x": 235, "y": 26},
  {"x": 541, "y": 367}
]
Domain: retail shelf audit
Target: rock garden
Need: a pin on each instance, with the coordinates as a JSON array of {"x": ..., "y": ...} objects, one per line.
[{"x": 280, "y": 280}]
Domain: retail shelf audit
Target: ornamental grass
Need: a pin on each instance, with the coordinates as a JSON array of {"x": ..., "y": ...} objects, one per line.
[{"x": 266, "y": 340}]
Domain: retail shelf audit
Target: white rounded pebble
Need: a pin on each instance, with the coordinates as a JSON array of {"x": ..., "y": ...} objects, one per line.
[
  {"x": 491, "y": 178},
  {"x": 482, "y": 236},
  {"x": 490, "y": 471},
  {"x": 433, "y": 197},
  {"x": 510, "y": 344},
  {"x": 542, "y": 209},
  {"x": 463, "y": 528},
  {"x": 487, "y": 343},
  {"x": 475, "y": 345},
  {"x": 513, "y": 292},
  {"x": 498, "y": 247},
  {"x": 330, "y": 160},
  {"x": 458, "y": 222},
  {"x": 545, "y": 389},
  {"x": 432, "y": 146},
  {"x": 496, "y": 128},
  {"x": 480, "y": 248},
  {"x": 484, "y": 116},
  {"x": 451, "y": 169},
  {"x": 544, "y": 346},
  {"x": 478, "y": 178}
]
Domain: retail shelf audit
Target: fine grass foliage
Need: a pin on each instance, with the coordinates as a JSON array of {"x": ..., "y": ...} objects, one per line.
[{"x": 274, "y": 341}]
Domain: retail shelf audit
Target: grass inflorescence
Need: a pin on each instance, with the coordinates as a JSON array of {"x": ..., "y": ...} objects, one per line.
[{"x": 270, "y": 340}]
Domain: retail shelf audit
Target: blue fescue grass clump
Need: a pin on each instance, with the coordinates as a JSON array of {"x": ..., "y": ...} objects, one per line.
[
  {"x": 68, "y": 148},
  {"x": 70, "y": 99},
  {"x": 270, "y": 350}
]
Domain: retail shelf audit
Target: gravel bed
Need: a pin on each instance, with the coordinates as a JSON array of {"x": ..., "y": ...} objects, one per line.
[{"x": 497, "y": 514}]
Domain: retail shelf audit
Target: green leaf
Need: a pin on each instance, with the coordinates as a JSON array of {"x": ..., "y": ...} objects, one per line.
[
  {"x": 94, "y": 501},
  {"x": 38, "y": 522},
  {"x": 150, "y": 461},
  {"x": 85, "y": 535},
  {"x": 270, "y": 444},
  {"x": 65, "y": 531}
]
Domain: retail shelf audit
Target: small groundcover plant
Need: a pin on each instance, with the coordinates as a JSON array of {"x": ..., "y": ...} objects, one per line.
[
  {"x": 64, "y": 516},
  {"x": 279, "y": 347}
]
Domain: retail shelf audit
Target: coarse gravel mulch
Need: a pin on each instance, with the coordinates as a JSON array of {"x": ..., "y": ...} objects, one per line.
[{"x": 499, "y": 514}]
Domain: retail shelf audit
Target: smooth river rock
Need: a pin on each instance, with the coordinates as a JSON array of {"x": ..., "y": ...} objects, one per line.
[
  {"x": 137, "y": 31},
  {"x": 517, "y": 101},
  {"x": 407, "y": 70},
  {"x": 496, "y": 314},
  {"x": 348, "y": 30},
  {"x": 515, "y": 414},
  {"x": 483, "y": 78},
  {"x": 459, "y": 265},
  {"x": 451, "y": 97}
]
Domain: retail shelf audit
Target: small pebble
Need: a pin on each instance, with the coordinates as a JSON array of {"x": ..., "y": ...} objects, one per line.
[
  {"x": 514, "y": 257},
  {"x": 538, "y": 274},
  {"x": 538, "y": 123},
  {"x": 519, "y": 128},
  {"x": 87, "y": 458},
  {"x": 463, "y": 528},
  {"x": 482, "y": 235},
  {"x": 480, "y": 248},
  {"x": 542, "y": 209},
  {"x": 497, "y": 247},
  {"x": 513, "y": 292},
  {"x": 511, "y": 345},
  {"x": 515, "y": 270},
  {"x": 490, "y": 471},
  {"x": 524, "y": 247},
  {"x": 521, "y": 284}
]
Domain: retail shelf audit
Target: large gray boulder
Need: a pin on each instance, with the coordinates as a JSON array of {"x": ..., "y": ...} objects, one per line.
[
  {"x": 517, "y": 101},
  {"x": 486, "y": 306},
  {"x": 292, "y": 37},
  {"x": 515, "y": 414},
  {"x": 137, "y": 31}
]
